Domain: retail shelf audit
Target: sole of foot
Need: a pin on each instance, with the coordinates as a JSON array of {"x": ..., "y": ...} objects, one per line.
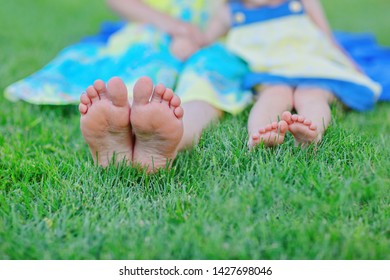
[
  {"x": 303, "y": 130},
  {"x": 157, "y": 124},
  {"x": 105, "y": 122},
  {"x": 270, "y": 135}
]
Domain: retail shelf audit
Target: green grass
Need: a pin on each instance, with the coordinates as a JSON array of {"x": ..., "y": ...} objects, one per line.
[{"x": 218, "y": 202}]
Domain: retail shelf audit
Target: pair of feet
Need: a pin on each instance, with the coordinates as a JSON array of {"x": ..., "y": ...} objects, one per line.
[
  {"x": 148, "y": 133},
  {"x": 145, "y": 134},
  {"x": 303, "y": 130}
]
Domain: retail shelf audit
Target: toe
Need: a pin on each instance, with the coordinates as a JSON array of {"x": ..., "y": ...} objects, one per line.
[
  {"x": 143, "y": 90},
  {"x": 301, "y": 119},
  {"x": 175, "y": 101},
  {"x": 313, "y": 127},
  {"x": 84, "y": 99},
  {"x": 283, "y": 126},
  {"x": 168, "y": 95},
  {"x": 100, "y": 86},
  {"x": 179, "y": 112},
  {"x": 307, "y": 122},
  {"x": 83, "y": 109},
  {"x": 294, "y": 118},
  {"x": 268, "y": 127},
  {"x": 92, "y": 94},
  {"x": 274, "y": 125},
  {"x": 251, "y": 143},
  {"x": 158, "y": 93},
  {"x": 286, "y": 116},
  {"x": 117, "y": 92},
  {"x": 262, "y": 130},
  {"x": 253, "y": 140}
]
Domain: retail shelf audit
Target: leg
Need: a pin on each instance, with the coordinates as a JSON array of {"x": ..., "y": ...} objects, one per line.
[
  {"x": 312, "y": 106},
  {"x": 263, "y": 125},
  {"x": 157, "y": 123},
  {"x": 105, "y": 122},
  {"x": 198, "y": 115}
]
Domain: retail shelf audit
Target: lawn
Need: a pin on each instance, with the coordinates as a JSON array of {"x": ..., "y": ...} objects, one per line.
[{"x": 219, "y": 201}]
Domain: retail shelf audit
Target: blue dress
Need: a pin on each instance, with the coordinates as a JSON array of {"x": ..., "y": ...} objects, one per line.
[{"x": 131, "y": 50}]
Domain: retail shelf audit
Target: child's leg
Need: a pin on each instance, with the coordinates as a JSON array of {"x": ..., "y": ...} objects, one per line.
[
  {"x": 263, "y": 123},
  {"x": 314, "y": 115},
  {"x": 198, "y": 115}
]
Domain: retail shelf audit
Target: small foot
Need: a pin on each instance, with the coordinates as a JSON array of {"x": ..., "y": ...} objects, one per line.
[
  {"x": 271, "y": 135},
  {"x": 301, "y": 128}
]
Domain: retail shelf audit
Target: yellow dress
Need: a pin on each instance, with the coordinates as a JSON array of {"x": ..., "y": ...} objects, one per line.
[{"x": 282, "y": 45}]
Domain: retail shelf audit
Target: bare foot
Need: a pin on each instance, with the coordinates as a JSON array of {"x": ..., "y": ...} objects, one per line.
[
  {"x": 157, "y": 124},
  {"x": 303, "y": 130},
  {"x": 105, "y": 121},
  {"x": 271, "y": 135}
]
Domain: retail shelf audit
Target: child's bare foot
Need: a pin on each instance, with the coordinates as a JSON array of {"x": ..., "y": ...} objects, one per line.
[
  {"x": 271, "y": 135},
  {"x": 157, "y": 124},
  {"x": 105, "y": 121},
  {"x": 303, "y": 130}
]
